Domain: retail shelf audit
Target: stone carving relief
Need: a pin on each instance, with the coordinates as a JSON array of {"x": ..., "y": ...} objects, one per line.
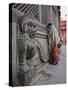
[{"x": 29, "y": 50}]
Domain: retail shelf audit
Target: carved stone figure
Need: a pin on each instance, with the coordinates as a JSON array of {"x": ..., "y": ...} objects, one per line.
[{"x": 28, "y": 50}]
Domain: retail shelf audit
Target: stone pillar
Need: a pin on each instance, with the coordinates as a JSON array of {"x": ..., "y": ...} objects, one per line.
[
  {"x": 13, "y": 53},
  {"x": 45, "y": 14},
  {"x": 15, "y": 61},
  {"x": 39, "y": 13}
]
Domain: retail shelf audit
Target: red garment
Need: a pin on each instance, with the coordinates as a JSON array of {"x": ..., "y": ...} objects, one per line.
[{"x": 54, "y": 54}]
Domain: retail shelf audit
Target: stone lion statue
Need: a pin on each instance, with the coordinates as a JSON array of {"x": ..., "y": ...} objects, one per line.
[{"x": 28, "y": 50}]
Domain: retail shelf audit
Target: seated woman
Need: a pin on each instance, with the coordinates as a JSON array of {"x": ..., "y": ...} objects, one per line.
[{"x": 54, "y": 44}]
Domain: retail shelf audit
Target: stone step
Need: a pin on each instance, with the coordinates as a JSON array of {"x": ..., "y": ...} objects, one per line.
[{"x": 42, "y": 66}]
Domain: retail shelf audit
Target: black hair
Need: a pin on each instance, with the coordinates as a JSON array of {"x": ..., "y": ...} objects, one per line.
[{"x": 49, "y": 24}]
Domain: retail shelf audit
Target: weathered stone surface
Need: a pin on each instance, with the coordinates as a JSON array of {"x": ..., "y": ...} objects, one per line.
[
  {"x": 32, "y": 52},
  {"x": 24, "y": 78}
]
